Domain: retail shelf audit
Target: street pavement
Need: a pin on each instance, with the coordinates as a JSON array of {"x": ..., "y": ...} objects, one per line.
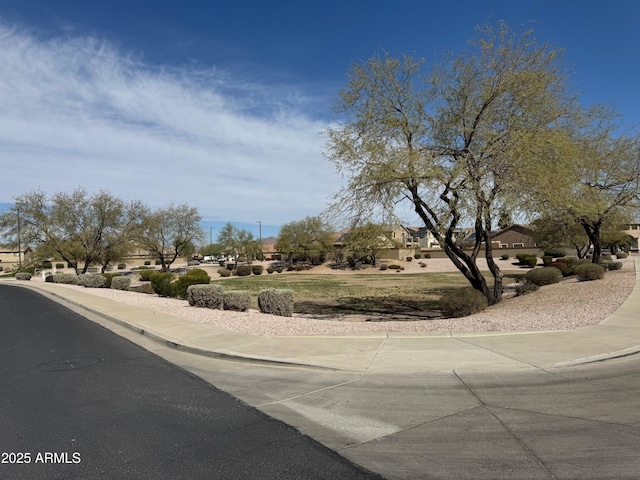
[{"x": 544, "y": 405}]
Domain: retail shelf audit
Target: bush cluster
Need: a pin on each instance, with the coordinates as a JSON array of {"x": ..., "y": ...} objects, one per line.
[
  {"x": 91, "y": 280},
  {"x": 23, "y": 276},
  {"x": 120, "y": 283},
  {"x": 244, "y": 270},
  {"x": 462, "y": 302},
  {"x": 161, "y": 283},
  {"x": 223, "y": 272},
  {"x": 505, "y": 256},
  {"x": 612, "y": 265},
  {"x": 276, "y": 302},
  {"x": 196, "y": 276},
  {"x": 589, "y": 271},
  {"x": 145, "y": 275},
  {"x": 257, "y": 269},
  {"x": 66, "y": 278},
  {"x": 543, "y": 276},
  {"x": 527, "y": 259},
  {"x": 236, "y": 300},
  {"x": 620, "y": 255},
  {"x": 205, "y": 296},
  {"x": 384, "y": 266}
]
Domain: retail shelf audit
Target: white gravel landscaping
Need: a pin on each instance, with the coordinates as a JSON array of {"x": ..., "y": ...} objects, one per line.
[{"x": 567, "y": 305}]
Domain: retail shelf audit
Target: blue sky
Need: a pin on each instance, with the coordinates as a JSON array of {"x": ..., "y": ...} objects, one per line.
[{"x": 220, "y": 104}]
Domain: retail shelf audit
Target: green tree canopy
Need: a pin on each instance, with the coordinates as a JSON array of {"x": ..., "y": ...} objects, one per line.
[
  {"x": 455, "y": 143},
  {"x": 307, "y": 240}
]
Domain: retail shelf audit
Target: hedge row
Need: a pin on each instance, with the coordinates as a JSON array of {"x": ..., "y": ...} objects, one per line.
[{"x": 270, "y": 301}]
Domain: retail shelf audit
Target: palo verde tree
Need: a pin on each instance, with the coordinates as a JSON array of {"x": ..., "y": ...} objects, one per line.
[
  {"x": 80, "y": 228},
  {"x": 171, "y": 232},
  {"x": 454, "y": 144},
  {"x": 306, "y": 240},
  {"x": 368, "y": 240},
  {"x": 238, "y": 242}
]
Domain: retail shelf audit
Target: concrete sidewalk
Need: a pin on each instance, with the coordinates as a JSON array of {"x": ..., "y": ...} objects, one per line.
[{"x": 618, "y": 335}]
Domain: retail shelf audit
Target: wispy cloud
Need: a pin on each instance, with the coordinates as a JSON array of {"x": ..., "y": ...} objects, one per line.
[{"x": 76, "y": 111}]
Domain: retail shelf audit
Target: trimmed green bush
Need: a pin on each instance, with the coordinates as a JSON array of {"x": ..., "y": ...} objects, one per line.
[
  {"x": 393, "y": 266},
  {"x": 612, "y": 265},
  {"x": 276, "y": 302},
  {"x": 90, "y": 280},
  {"x": 244, "y": 270},
  {"x": 408, "y": 259},
  {"x": 66, "y": 278},
  {"x": 384, "y": 266},
  {"x": 620, "y": 255},
  {"x": 23, "y": 276},
  {"x": 527, "y": 259},
  {"x": 589, "y": 271},
  {"x": 237, "y": 301},
  {"x": 257, "y": 269},
  {"x": 543, "y": 276},
  {"x": 197, "y": 272},
  {"x": 205, "y": 296},
  {"x": 121, "y": 283},
  {"x": 223, "y": 272},
  {"x": 181, "y": 285},
  {"x": 279, "y": 270},
  {"x": 193, "y": 263},
  {"x": 145, "y": 275},
  {"x": 109, "y": 278},
  {"x": 526, "y": 287},
  {"x": 505, "y": 256},
  {"x": 462, "y": 302},
  {"x": 162, "y": 283},
  {"x": 547, "y": 260},
  {"x": 417, "y": 256},
  {"x": 270, "y": 270}
]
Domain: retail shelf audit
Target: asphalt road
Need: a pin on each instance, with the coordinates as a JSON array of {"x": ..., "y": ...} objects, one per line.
[{"x": 79, "y": 402}]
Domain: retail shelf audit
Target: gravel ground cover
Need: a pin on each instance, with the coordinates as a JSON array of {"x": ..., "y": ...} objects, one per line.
[{"x": 564, "y": 306}]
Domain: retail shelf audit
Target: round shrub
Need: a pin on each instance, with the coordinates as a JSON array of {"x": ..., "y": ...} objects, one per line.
[
  {"x": 544, "y": 276},
  {"x": 417, "y": 256},
  {"x": 526, "y": 287},
  {"x": 121, "y": 283},
  {"x": 181, "y": 285},
  {"x": 162, "y": 283},
  {"x": 205, "y": 296},
  {"x": 145, "y": 275},
  {"x": 90, "y": 280},
  {"x": 66, "y": 278},
  {"x": 393, "y": 266},
  {"x": 237, "y": 301},
  {"x": 612, "y": 265},
  {"x": 279, "y": 270},
  {"x": 197, "y": 272},
  {"x": 244, "y": 270},
  {"x": 384, "y": 266},
  {"x": 109, "y": 278},
  {"x": 223, "y": 272},
  {"x": 620, "y": 255},
  {"x": 462, "y": 302},
  {"x": 505, "y": 256},
  {"x": 193, "y": 263},
  {"x": 270, "y": 270},
  {"x": 408, "y": 259},
  {"x": 257, "y": 269},
  {"x": 23, "y": 276},
  {"x": 589, "y": 271},
  {"x": 547, "y": 260},
  {"x": 276, "y": 302}
]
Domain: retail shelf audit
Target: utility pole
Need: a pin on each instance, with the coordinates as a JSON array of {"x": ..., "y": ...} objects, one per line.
[
  {"x": 19, "y": 240},
  {"x": 260, "y": 233}
]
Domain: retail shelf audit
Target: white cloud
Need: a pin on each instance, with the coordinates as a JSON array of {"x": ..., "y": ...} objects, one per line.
[{"x": 75, "y": 111}]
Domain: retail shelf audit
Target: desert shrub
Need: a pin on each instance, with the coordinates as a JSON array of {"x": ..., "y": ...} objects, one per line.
[
  {"x": 270, "y": 270},
  {"x": 620, "y": 255},
  {"x": 589, "y": 271},
  {"x": 59, "y": 265},
  {"x": 544, "y": 276},
  {"x": 462, "y": 302},
  {"x": 279, "y": 270},
  {"x": 193, "y": 263},
  {"x": 223, "y": 272},
  {"x": 47, "y": 265},
  {"x": 393, "y": 266},
  {"x": 237, "y": 300},
  {"x": 230, "y": 266},
  {"x": 408, "y": 259},
  {"x": 162, "y": 283},
  {"x": 417, "y": 256},
  {"x": 547, "y": 260},
  {"x": 569, "y": 261},
  {"x": 564, "y": 269},
  {"x": 67, "y": 278},
  {"x": 234, "y": 272},
  {"x": 205, "y": 296},
  {"x": 23, "y": 276},
  {"x": 92, "y": 281},
  {"x": 384, "y": 266},
  {"x": 606, "y": 256},
  {"x": 612, "y": 265},
  {"x": 48, "y": 279},
  {"x": 526, "y": 287},
  {"x": 109, "y": 278},
  {"x": 197, "y": 272},
  {"x": 181, "y": 285},
  {"x": 121, "y": 283},
  {"x": 505, "y": 256},
  {"x": 145, "y": 275},
  {"x": 276, "y": 302},
  {"x": 554, "y": 253},
  {"x": 122, "y": 266},
  {"x": 299, "y": 267},
  {"x": 157, "y": 262},
  {"x": 257, "y": 269},
  {"x": 422, "y": 264},
  {"x": 147, "y": 262},
  {"x": 244, "y": 270},
  {"x": 427, "y": 255},
  {"x": 527, "y": 259}
]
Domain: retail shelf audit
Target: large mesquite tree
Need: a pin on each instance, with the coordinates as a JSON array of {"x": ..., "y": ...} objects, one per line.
[{"x": 455, "y": 145}]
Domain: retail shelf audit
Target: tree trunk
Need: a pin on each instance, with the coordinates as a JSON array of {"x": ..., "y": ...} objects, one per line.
[{"x": 593, "y": 232}]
